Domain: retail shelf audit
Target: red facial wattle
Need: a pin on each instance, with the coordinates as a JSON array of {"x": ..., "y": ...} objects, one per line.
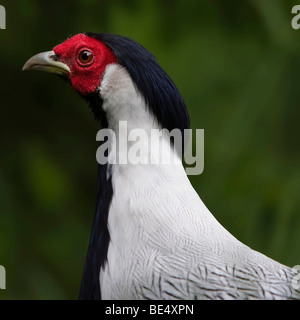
[{"x": 87, "y": 59}]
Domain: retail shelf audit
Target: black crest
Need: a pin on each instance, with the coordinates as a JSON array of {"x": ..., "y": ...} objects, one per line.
[{"x": 159, "y": 91}]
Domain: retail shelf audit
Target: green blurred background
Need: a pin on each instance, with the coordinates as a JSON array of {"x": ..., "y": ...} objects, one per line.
[{"x": 237, "y": 65}]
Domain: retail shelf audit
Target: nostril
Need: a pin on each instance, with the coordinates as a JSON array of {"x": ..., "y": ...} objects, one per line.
[{"x": 53, "y": 56}]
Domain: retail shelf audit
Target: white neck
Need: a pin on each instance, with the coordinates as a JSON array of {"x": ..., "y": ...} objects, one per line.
[
  {"x": 152, "y": 203},
  {"x": 129, "y": 116},
  {"x": 122, "y": 102}
]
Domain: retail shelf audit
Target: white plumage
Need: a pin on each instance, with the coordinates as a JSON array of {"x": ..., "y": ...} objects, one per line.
[
  {"x": 152, "y": 236},
  {"x": 164, "y": 242}
]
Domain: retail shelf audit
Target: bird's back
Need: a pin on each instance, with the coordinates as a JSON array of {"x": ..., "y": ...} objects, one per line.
[{"x": 165, "y": 244}]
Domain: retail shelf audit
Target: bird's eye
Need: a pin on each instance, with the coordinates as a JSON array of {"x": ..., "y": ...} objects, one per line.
[{"x": 85, "y": 56}]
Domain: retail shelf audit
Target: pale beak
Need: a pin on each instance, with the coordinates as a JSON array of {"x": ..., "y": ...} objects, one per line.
[{"x": 48, "y": 62}]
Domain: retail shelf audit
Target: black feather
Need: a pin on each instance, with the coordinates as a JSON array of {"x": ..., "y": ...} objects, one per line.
[
  {"x": 166, "y": 104},
  {"x": 159, "y": 91},
  {"x": 99, "y": 240}
]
